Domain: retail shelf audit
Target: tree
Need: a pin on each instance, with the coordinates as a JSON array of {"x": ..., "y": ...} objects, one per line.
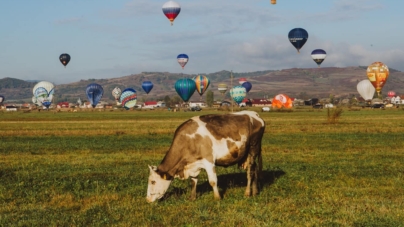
[
  {"x": 167, "y": 100},
  {"x": 209, "y": 98}
]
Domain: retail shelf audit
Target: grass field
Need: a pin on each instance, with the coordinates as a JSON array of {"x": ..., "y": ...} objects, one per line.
[{"x": 90, "y": 169}]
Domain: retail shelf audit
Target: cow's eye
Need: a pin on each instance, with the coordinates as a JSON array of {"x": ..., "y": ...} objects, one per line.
[{"x": 153, "y": 182}]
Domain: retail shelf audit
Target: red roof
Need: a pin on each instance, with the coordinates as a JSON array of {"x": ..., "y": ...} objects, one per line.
[
  {"x": 260, "y": 101},
  {"x": 150, "y": 103},
  {"x": 63, "y": 104}
]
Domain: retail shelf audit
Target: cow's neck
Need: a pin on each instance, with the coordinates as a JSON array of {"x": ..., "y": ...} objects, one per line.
[{"x": 172, "y": 166}]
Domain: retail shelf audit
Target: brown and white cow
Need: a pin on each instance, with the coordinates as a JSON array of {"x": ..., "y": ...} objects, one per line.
[{"x": 204, "y": 142}]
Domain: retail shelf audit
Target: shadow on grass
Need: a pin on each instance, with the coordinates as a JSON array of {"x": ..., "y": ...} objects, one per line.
[{"x": 229, "y": 180}]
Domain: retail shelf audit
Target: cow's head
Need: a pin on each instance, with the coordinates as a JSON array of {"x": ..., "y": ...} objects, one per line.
[{"x": 157, "y": 185}]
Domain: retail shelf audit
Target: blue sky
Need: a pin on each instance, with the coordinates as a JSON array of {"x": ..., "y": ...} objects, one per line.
[{"x": 114, "y": 38}]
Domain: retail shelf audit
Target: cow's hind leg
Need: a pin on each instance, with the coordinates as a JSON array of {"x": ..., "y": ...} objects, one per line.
[
  {"x": 194, "y": 181},
  {"x": 247, "y": 165},
  {"x": 211, "y": 171}
]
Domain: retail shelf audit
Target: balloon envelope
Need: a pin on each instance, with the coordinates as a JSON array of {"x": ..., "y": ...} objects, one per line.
[
  {"x": 43, "y": 92},
  {"x": 318, "y": 56},
  {"x": 94, "y": 93},
  {"x": 238, "y": 93},
  {"x": 116, "y": 92},
  {"x": 242, "y": 80},
  {"x": 282, "y": 100},
  {"x": 182, "y": 60},
  {"x": 378, "y": 73},
  {"x": 273, "y": 2},
  {"x": 185, "y": 88},
  {"x": 128, "y": 98},
  {"x": 171, "y": 9},
  {"x": 64, "y": 59},
  {"x": 391, "y": 94},
  {"x": 201, "y": 83},
  {"x": 366, "y": 89},
  {"x": 147, "y": 86},
  {"x": 1, "y": 99},
  {"x": 247, "y": 85},
  {"x": 298, "y": 37},
  {"x": 222, "y": 88}
]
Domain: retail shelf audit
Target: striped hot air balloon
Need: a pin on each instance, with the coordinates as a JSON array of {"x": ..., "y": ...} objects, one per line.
[
  {"x": 171, "y": 9},
  {"x": 201, "y": 83},
  {"x": 182, "y": 60},
  {"x": 128, "y": 98},
  {"x": 318, "y": 56},
  {"x": 242, "y": 80},
  {"x": 222, "y": 88}
]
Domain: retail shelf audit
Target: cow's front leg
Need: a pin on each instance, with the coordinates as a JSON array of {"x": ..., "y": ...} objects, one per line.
[
  {"x": 213, "y": 181},
  {"x": 194, "y": 181}
]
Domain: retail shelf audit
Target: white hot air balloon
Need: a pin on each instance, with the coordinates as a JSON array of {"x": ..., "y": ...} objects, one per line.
[
  {"x": 43, "y": 92},
  {"x": 366, "y": 89}
]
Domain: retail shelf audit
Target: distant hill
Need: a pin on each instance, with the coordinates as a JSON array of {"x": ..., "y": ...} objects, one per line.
[{"x": 295, "y": 82}]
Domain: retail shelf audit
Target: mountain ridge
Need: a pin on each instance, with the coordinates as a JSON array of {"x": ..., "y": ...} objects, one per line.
[{"x": 295, "y": 82}]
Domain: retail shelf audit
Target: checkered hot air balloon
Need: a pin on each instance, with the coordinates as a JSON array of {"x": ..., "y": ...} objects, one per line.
[
  {"x": 238, "y": 93},
  {"x": 128, "y": 98}
]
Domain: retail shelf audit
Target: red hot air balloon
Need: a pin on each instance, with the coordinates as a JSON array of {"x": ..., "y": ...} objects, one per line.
[
  {"x": 171, "y": 9},
  {"x": 242, "y": 80},
  {"x": 391, "y": 94}
]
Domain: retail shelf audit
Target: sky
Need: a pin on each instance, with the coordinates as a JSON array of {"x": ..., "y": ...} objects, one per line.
[{"x": 115, "y": 38}]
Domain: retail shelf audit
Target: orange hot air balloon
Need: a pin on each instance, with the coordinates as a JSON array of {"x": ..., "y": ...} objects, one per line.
[
  {"x": 378, "y": 73},
  {"x": 273, "y": 2},
  {"x": 282, "y": 100}
]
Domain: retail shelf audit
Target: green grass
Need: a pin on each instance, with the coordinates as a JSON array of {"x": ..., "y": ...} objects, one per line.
[{"x": 90, "y": 169}]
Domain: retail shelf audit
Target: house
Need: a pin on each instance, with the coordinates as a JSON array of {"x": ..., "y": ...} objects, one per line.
[
  {"x": 161, "y": 104},
  {"x": 150, "y": 104},
  {"x": 201, "y": 104},
  {"x": 62, "y": 105},
  {"x": 11, "y": 108},
  {"x": 260, "y": 102}
]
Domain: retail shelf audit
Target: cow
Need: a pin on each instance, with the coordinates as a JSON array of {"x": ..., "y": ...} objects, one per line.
[{"x": 206, "y": 141}]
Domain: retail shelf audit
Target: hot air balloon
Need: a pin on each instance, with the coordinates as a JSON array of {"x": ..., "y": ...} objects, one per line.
[
  {"x": 282, "y": 100},
  {"x": 35, "y": 101},
  {"x": 298, "y": 37},
  {"x": 318, "y": 56},
  {"x": 185, "y": 88},
  {"x": 222, "y": 88},
  {"x": 201, "y": 83},
  {"x": 43, "y": 92},
  {"x": 182, "y": 60},
  {"x": 247, "y": 85},
  {"x": 171, "y": 9},
  {"x": 64, "y": 59},
  {"x": 147, "y": 86},
  {"x": 79, "y": 102},
  {"x": 238, "y": 93},
  {"x": 128, "y": 98},
  {"x": 273, "y": 2},
  {"x": 116, "y": 92},
  {"x": 94, "y": 93},
  {"x": 242, "y": 80},
  {"x": 1, "y": 99},
  {"x": 391, "y": 94},
  {"x": 378, "y": 73},
  {"x": 366, "y": 90}
]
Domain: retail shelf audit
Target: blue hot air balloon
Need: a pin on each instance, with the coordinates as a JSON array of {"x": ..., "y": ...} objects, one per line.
[
  {"x": 128, "y": 98},
  {"x": 298, "y": 37},
  {"x": 318, "y": 56},
  {"x": 247, "y": 85},
  {"x": 94, "y": 93},
  {"x": 147, "y": 86},
  {"x": 185, "y": 88},
  {"x": 182, "y": 60}
]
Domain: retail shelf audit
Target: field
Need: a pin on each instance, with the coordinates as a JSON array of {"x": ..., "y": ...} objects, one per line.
[{"x": 90, "y": 169}]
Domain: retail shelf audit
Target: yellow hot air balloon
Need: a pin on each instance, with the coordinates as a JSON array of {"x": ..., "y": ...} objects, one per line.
[
  {"x": 222, "y": 88},
  {"x": 273, "y": 2},
  {"x": 378, "y": 73}
]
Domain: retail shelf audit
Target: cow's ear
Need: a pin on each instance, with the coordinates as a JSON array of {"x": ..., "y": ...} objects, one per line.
[{"x": 154, "y": 168}]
